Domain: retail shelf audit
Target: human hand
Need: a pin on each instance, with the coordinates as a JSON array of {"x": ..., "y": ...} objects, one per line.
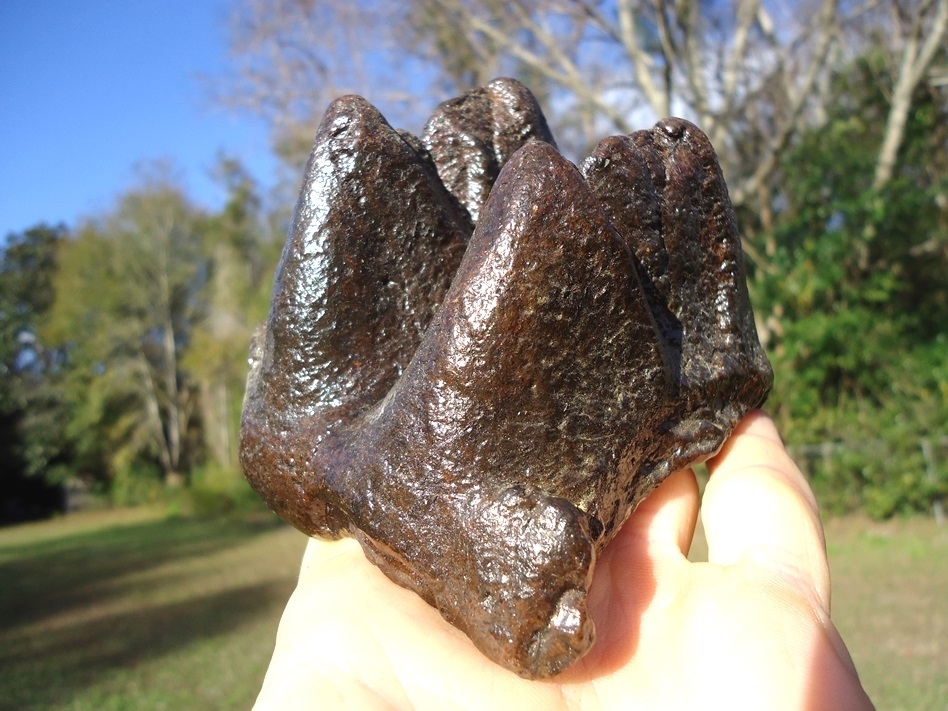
[{"x": 749, "y": 629}]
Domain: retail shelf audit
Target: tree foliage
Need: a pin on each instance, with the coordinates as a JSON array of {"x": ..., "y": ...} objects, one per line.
[
  {"x": 125, "y": 310},
  {"x": 31, "y": 413},
  {"x": 155, "y": 303},
  {"x": 123, "y": 344},
  {"x": 235, "y": 297},
  {"x": 858, "y": 289}
]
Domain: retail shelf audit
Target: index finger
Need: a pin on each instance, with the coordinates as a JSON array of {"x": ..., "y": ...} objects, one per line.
[{"x": 759, "y": 508}]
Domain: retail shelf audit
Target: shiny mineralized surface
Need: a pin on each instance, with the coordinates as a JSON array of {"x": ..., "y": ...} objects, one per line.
[{"x": 479, "y": 358}]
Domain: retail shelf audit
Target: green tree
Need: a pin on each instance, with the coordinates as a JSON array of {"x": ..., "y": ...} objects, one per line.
[
  {"x": 127, "y": 301},
  {"x": 860, "y": 336},
  {"x": 241, "y": 254},
  {"x": 31, "y": 409}
]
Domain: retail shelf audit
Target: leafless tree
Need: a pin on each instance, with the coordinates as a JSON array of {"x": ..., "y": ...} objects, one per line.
[
  {"x": 753, "y": 74},
  {"x": 289, "y": 58},
  {"x": 920, "y": 32}
]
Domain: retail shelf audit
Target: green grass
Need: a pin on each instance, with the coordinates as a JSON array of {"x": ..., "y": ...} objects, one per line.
[
  {"x": 890, "y": 603},
  {"x": 134, "y": 610}
]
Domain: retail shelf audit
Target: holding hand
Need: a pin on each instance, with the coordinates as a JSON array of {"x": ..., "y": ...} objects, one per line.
[{"x": 749, "y": 629}]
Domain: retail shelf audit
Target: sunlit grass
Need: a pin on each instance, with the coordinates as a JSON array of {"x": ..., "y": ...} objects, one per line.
[
  {"x": 890, "y": 603},
  {"x": 133, "y": 610},
  {"x": 136, "y": 610}
]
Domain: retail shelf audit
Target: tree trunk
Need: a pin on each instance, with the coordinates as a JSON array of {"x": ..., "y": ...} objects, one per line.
[{"x": 917, "y": 56}]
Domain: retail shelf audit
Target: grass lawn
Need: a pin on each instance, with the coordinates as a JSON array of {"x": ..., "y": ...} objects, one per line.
[
  {"x": 890, "y": 603},
  {"x": 134, "y": 610}
]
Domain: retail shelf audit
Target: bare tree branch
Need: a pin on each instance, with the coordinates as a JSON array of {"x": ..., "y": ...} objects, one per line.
[
  {"x": 789, "y": 123},
  {"x": 925, "y": 37},
  {"x": 642, "y": 62},
  {"x": 753, "y": 73}
]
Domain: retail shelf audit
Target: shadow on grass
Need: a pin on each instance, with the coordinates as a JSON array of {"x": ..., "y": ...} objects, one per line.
[
  {"x": 44, "y": 578},
  {"x": 38, "y": 671},
  {"x": 75, "y": 608}
]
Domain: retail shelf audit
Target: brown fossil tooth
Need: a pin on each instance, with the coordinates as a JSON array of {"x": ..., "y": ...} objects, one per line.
[
  {"x": 664, "y": 192},
  {"x": 483, "y": 425},
  {"x": 706, "y": 286},
  {"x": 471, "y": 137},
  {"x": 510, "y": 426},
  {"x": 375, "y": 242}
]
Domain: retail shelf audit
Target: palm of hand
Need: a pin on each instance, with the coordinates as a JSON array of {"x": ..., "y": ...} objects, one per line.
[{"x": 749, "y": 629}]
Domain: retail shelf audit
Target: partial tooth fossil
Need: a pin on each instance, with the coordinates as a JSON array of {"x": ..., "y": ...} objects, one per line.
[{"x": 479, "y": 359}]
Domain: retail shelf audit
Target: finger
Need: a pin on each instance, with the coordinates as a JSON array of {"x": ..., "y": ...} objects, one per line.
[
  {"x": 647, "y": 552},
  {"x": 666, "y": 519},
  {"x": 758, "y": 507},
  {"x": 325, "y": 558}
]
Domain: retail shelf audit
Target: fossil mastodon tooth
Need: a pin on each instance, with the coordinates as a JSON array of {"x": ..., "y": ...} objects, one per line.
[{"x": 483, "y": 411}]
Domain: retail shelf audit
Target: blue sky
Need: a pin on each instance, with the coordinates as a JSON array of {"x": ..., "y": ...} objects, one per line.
[{"x": 90, "y": 88}]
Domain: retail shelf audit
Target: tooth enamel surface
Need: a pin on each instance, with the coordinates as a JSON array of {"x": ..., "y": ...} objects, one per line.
[{"x": 479, "y": 359}]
